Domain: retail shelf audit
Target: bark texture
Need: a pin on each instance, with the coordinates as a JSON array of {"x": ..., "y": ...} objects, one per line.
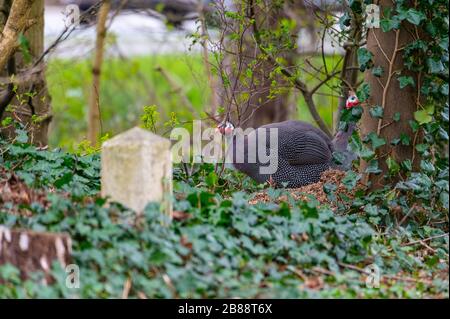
[
  {"x": 31, "y": 107},
  {"x": 94, "y": 119},
  {"x": 387, "y": 48}
]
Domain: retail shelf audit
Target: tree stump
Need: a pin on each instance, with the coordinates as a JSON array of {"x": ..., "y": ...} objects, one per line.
[
  {"x": 137, "y": 169},
  {"x": 31, "y": 251}
]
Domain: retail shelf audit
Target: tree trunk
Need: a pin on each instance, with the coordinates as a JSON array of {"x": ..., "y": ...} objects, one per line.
[
  {"x": 385, "y": 92},
  {"x": 32, "y": 109},
  {"x": 94, "y": 120}
]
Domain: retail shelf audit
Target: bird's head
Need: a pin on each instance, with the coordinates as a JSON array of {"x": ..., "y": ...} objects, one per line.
[
  {"x": 352, "y": 101},
  {"x": 225, "y": 128}
]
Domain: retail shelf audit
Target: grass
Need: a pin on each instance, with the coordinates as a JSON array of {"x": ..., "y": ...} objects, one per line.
[{"x": 129, "y": 85}]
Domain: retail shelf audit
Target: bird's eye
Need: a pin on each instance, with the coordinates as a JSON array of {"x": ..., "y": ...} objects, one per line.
[{"x": 352, "y": 98}]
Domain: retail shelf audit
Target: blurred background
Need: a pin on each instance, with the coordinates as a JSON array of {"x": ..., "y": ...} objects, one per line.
[{"x": 152, "y": 58}]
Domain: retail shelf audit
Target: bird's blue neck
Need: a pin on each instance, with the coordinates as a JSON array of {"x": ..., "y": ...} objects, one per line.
[{"x": 340, "y": 140}]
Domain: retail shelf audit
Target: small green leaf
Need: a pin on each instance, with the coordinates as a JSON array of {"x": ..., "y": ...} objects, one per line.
[
  {"x": 444, "y": 89},
  {"x": 377, "y": 71},
  {"x": 405, "y": 139},
  {"x": 21, "y": 136},
  {"x": 421, "y": 148},
  {"x": 396, "y": 117},
  {"x": 350, "y": 179},
  {"x": 414, "y": 125},
  {"x": 389, "y": 24},
  {"x": 427, "y": 167},
  {"x": 329, "y": 188},
  {"x": 406, "y": 165},
  {"x": 364, "y": 59},
  {"x": 372, "y": 167},
  {"x": 375, "y": 140},
  {"x": 395, "y": 141},
  {"x": 415, "y": 17},
  {"x": 425, "y": 115},
  {"x": 371, "y": 210},
  {"x": 338, "y": 158},
  {"x": 345, "y": 20},
  {"x": 405, "y": 81},
  {"x": 392, "y": 165},
  {"x": 435, "y": 66},
  {"x": 212, "y": 179},
  {"x": 363, "y": 92},
  {"x": 376, "y": 111},
  {"x": 357, "y": 112}
]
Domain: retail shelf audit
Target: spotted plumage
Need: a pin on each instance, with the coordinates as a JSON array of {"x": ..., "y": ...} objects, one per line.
[{"x": 302, "y": 152}]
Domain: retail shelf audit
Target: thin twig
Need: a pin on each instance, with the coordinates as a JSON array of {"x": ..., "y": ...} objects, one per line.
[
  {"x": 389, "y": 76},
  {"x": 424, "y": 240}
]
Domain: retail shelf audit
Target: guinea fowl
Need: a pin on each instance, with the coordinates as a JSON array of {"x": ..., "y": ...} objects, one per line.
[{"x": 304, "y": 151}]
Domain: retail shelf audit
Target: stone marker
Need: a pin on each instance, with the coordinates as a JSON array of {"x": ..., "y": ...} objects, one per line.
[
  {"x": 137, "y": 169},
  {"x": 31, "y": 251}
]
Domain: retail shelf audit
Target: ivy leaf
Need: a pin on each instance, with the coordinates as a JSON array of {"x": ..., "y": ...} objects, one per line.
[
  {"x": 427, "y": 167},
  {"x": 21, "y": 136},
  {"x": 359, "y": 149},
  {"x": 444, "y": 114},
  {"x": 396, "y": 117},
  {"x": 424, "y": 116},
  {"x": 371, "y": 210},
  {"x": 389, "y": 24},
  {"x": 392, "y": 165},
  {"x": 435, "y": 66},
  {"x": 395, "y": 141},
  {"x": 344, "y": 20},
  {"x": 415, "y": 17},
  {"x": 405, "y": 139},
  {"x": 338, "y": 158},
  {"x": 444, "y": 199},
  {"x": 377, "y": 71},
  {"x": 372, "y": 167},
  {"x": 350, "y": 179},
  {"x": 329, "y": 188},
  {"x": 421, "y": 148},
  {"x": 364, "y": 59},
  {"x": 406, "y": 165},
  {"x": 375, "y": 140},
  {"x": 363, "y": 92},
  {"x": 414, "y": 125},
  {"x": 356, "y": 6},
  {"x": 376, "y": 111},
  {"x": 405, "y": 81},
  {"x": 443, "y": 134},
  {"x": 357, "y": 112},
  {"x": 444, "y": 89},
  {"x": 212, "y": 179}
]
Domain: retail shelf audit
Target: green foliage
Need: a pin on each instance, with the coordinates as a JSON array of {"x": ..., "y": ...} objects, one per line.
[
  {"x": 130, "y": 87},
  {"x": 364, "y": 59},
  {"x": 65, "y": 172},
  {"x": 150, "y": 117},
  {"x": 127, "y": 86},
  {"x": 227, "y": 248}
]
